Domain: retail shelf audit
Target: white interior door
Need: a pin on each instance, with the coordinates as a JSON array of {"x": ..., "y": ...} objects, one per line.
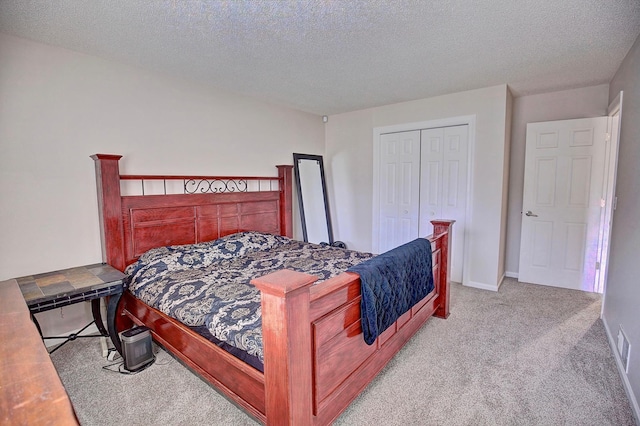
[
  {"x": 563, "y": 184},
  {"x": 399, "y": 189},
  {"x": 443, "y": 186}
]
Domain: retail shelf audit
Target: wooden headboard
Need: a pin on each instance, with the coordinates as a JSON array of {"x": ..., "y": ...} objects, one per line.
[{"x": 207, "y": 208}]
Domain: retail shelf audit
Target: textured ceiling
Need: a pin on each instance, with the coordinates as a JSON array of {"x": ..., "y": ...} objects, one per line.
[{"x": 328, "y": 57}]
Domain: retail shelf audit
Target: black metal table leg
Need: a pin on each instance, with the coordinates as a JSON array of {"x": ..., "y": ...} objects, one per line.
[
  {"x": 112, "y": 305},
  {"x": 97, "y": 316}
]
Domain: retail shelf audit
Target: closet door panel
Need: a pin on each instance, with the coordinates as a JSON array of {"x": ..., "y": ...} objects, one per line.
[
  {"x": 444, "y": 186},
  {"x": 456, "y": 170},
  {"x": 431, "y": 183},
  {"x": 399, "y": 188}
]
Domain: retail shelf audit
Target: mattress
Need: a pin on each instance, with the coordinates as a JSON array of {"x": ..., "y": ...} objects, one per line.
[{"x": 207, "y": 286}]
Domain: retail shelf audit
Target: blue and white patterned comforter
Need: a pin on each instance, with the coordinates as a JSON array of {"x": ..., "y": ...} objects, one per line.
[{"x": 209, "y": 283}]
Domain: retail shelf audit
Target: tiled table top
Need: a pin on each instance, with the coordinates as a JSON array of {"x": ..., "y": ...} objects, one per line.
[{"x": 65, "y": 284}]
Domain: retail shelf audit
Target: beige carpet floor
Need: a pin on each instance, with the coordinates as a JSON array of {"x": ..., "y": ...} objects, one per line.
[{"x": 526, "y": 355}]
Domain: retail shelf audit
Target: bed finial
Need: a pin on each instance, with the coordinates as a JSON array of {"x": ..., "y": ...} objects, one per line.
[
  {"x": 441, "y": 227},
  {"x": 286, "y": 216},
  {"x": 109, "y": 206},
  {"x": 287, "y": 367}
]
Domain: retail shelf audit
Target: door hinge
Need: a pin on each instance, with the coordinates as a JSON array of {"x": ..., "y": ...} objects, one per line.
[
  {"x": 615, "y": 202},
  {"x": 607, "y": 137},
  {"x": 602, "y": 202},
  {"x": 597, "y": 266}
]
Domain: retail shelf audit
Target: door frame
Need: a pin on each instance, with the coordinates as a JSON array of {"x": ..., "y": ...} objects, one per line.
[
  {"x": 609, "y": 192},
  {"x": 469, "y": 120}
]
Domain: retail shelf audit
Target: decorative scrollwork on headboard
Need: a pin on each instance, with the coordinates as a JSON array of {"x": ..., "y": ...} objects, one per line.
[{"x": 215, "y": 186}]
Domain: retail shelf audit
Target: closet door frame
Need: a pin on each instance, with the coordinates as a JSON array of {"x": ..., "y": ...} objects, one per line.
[{"x": 469, "y": 120}]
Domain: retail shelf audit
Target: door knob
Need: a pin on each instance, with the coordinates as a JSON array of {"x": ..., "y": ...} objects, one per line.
[{"x": 529, "y": 213}]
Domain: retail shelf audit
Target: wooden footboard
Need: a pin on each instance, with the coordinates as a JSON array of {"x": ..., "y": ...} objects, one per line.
[{"x": 316, "y": 360}]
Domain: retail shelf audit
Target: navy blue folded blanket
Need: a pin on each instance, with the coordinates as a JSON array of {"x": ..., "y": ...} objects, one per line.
[{"x": 392, "y": 283}]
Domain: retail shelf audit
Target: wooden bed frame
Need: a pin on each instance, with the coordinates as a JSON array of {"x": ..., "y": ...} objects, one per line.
[{"x": 315, "y": 359}]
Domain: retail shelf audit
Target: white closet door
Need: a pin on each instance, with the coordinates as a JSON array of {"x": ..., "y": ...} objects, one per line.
[
  {"x": 399, "y": 188},
  {"x": 443, "y": 186}
]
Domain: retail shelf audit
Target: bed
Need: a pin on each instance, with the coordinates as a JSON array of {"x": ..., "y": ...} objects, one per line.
[{"x": 314, "y": 358}]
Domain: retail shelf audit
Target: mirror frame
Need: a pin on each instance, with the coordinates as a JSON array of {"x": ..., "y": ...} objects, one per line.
[{"x": 318, "y": 158}]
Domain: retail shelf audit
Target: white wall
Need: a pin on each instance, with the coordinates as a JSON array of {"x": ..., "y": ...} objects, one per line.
[
  {"x": 57, "y": 107},
  {"x": 622, "y": 290},
  {"x": 349, "y": 159},
  {"x": 562, "y": 105}
]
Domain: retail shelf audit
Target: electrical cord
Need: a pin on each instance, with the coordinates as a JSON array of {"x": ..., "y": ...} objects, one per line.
[
  {"x": 120, "y": 367},
  {"x": 120, "y": 364}
]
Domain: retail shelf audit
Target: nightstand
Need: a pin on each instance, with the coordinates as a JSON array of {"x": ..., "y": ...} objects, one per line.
[{"x": 56, "y": 289}]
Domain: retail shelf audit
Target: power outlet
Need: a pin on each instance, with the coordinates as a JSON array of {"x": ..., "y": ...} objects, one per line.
[{"x": 624, "y": 349}]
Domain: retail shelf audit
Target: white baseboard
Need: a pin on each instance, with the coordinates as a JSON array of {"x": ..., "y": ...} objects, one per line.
[
  {"x": 511, "y": 274},
  {"x": 625, "y": 379},
  {"x": 483, "y": 286}
]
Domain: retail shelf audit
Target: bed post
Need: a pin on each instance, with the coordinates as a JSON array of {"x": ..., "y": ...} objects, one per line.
[
  {"x": 286, "y": 216},
  {"x": 440, "y": 227},
  {"x": 109, "y": 209},
  {"x": 286, "y": 336}
]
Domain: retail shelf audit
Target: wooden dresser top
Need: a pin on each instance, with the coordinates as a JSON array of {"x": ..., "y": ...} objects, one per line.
[{"x": 31, "y": 392}]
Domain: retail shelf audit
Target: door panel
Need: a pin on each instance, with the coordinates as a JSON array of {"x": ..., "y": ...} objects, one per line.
[
  {"x": 431, "y": 177},
  {"x": 543, "y": 231},
  {"x": 545, "y": 181},
  {"x": 575, "y": 245},
  {"x": 564, "y": 169},
  {"x": 579, "y": 182},
  {"x": 399, "y": 188},
  {"x": 443, "y": 185}
]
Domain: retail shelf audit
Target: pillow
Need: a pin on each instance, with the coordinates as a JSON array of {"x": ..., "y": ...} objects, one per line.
[{"x": 204, "y": 254}]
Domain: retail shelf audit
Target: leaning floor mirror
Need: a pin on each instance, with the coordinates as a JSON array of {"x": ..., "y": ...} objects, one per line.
[{"x": 312, "y": 199}]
